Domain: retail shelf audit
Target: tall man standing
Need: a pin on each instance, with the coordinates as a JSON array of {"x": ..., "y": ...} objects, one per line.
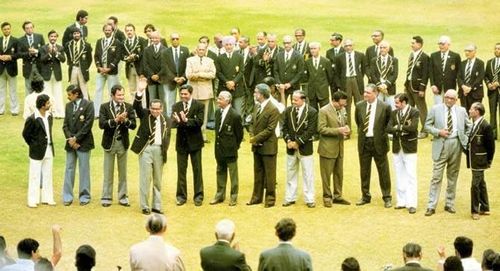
[
  {"x": 288, "y": 68},
  {"x": 82, "y": 17},
  {"x": 450, "y": 125},
  {"x": 481, "y": 149},
  {"x": 133, "y": 48},
  {"x": 51, "y": 57},
  {"x": 299, "y": 127},
  {"x": 491, "y": 78},
  {"x": 417, "y": 76},
  {"x": 228, "y": 136},
  {"x": 116, "y": 117},
  {"x": 108, "y": 53},
  {"x": 384, "y": 73},
  {"x": 29, "y": 46},
  {"x": 37, "y": 133},
  {"x": 374, "y": 50},
  {"x": 151, "y": 67},
  {"x": 187, "y": 117},
  {"x": 350, "y": 69},
  {"x": 332, "y": 128},
  {"x": 77, "y": 127},
  {"x": 174, "y": 70},
  {"x": 470, "y": 78},
  {"x": 151, "y": 144},
  {"x": 403, "y": 126},
  {"x": 319, "y": 74},
  {"x": 444, "y": 68},
  {"x": 372, "y": 117},
  {"x": 264, "y": 147},
  {"x": 79, "y": 55},
  {"x": 8, "y": 70}
]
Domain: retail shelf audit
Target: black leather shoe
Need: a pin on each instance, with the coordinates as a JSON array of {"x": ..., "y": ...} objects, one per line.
[
  {"x": 146, "y": 211},
  {"x": 83, "y": 203},
  {"x": 341, "y": 201},
  {"x": 268, "y": 205},
  {"x": 311, "y": 205},
  {"x": 399, "y": 207},
  {"x": 430, "y": 212},
  {"x": 216, "y": 201},
  {"x": 362, "y": 202},
  {"x": 67, "y": 203},
  {"x": 180, "y": 203},
  {"x": 450, "y": 210},
  {"x": 198, "y": 203},
  {"x": 106, "y": 204},
  {"x": 412, "y": 210},
  {"x": 233, "y": 203},
  {"x": 253, "y": 203},
  {"x": 125, "y": 204},
  {"x": 387, "y": 204},
  {"x": 156, "y": 211},
  {"x": 288, "y": 203}
]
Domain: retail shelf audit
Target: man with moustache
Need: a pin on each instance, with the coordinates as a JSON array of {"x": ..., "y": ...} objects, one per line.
[
  {"x": 79, "y": 58},
  {"x": 116, "y": 117},
  {"x": 108, "y": 53},
  {"x": 51, "y": 57}
]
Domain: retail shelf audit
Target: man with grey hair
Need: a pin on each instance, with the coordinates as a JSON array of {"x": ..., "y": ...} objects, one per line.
[
  {"x": 224, "y": 255},
  {"x": 153, "y": 253},
  {"x": 228, "y": 137},
  {"x": 264, "y": 147},
  {"x": 151, "y": 66},
  {"x": 412, "y": 255},
  {"x": 470, "y": 78},
  {"x": 299, "y": 127},
  {"x": 384, "y": 73},
  {"x": 443, "y": 69},
  {"x": 288, "y": 68},
  {"x": 230, "y": 69},
  {"x": 319, "y": 74},
  {"x": 450, "y": 125}
]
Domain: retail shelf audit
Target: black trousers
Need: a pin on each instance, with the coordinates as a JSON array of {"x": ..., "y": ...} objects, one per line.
[
  {"x": 365, "y": 162},
  {"x": 182, "y": 163},
  {"x": 478, "y": 193}
]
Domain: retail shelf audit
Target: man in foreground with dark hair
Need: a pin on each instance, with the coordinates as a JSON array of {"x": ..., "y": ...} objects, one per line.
[
  {"x": 463, "y": 250},
  {"x": 27, "y": 253},
  {"x": 285, "y": 256},
  {"x": 154, "y": 253},
  {"x": 80, "y": 23},
  {"x": 350, "y": 264},
  {"x": 85, "y": 258},
  {"x": 412, "y": 255}
]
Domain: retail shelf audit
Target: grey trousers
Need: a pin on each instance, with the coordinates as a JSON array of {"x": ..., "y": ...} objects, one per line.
[
  {"x": 117, "y": 150},
  {"x": 150, "y": 165}
]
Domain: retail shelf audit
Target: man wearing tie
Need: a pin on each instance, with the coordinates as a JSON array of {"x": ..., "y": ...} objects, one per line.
[
  {"x": 200, "y": 71},
  {"x": 265, "y": 59},
  {"x": 264, "y": 147},
  {"x": 51, "y": 57},
  {"x": 491, "y": 78},
  {"x": 372, "y": 117},
  {"x": 174, "y": 70},
  {"x": 319, "y": 74},
  {"x": 299, "y": 127},
  {"x": 116, "y": 117},
  {"x": 79, "y": 56},
  {"x": 8, "y": 70},
  {"x": 350, "y": 69},
  {"x": 29, "y": 46},
  {"x": 470, "y": 78},
  {"x": 417, "y": 75},
  {"x": 108, "y": 53},
  {"x": 187, "y": 117},
  {"x": 77, "y": 128},
  {"x": 133, "y": 48},
  {"x": 444, "y": 68},
  {"x": 151, "y": 144},
  {"x": 288, "y": 68},
  {"x": 228, "y": 136},
  {"x": 230, "y": 72},
  {"x": 332, "y": 128},
  {"x": 384, "y": 73},
  {"x": 403, "y": 126},
  {"x": 80, "y": 24},
  {"x": 151, "y": 67},
  {"x": 480, "y": 152},
  {"x": 337, "y": 49},
  {"x": 450, "y": 126}
]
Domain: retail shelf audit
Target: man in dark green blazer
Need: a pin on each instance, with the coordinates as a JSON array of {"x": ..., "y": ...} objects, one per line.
[
  {"x": 288, "y": 68},
  {"x": 224, "y": 255},
  {"x": 285, "y": 257}
]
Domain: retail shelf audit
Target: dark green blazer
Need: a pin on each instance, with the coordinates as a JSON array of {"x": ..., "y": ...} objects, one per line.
[
  {"x": 222, "y": 257},
  {"x": 285, "y": 257}
]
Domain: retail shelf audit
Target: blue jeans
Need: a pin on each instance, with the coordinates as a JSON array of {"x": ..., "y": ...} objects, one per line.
[
  {"x": 100, "y": 80},
  {"x": 84, "y": 174}
]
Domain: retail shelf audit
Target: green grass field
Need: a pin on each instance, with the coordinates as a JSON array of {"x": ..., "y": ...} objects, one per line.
[{"x": 371, "y": 233}]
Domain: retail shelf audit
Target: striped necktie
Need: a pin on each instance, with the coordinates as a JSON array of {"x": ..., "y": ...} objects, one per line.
[
  {"x": 367, "y": 119},
  {"x": 449, "y": 120},
  {"x": 468, "y": 71},
  {"x": 443, "y": 60},
  {"x": 410, "y": 66}
]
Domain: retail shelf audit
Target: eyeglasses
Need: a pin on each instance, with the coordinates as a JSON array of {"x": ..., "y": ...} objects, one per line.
[
  {"x": 441, "y": 43},
  {"x": 174, "y": 38},
  {"x": 374, "y": 36},
  {"x": 299, "y": 35},
  {"x": 287, "y": 42}
]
